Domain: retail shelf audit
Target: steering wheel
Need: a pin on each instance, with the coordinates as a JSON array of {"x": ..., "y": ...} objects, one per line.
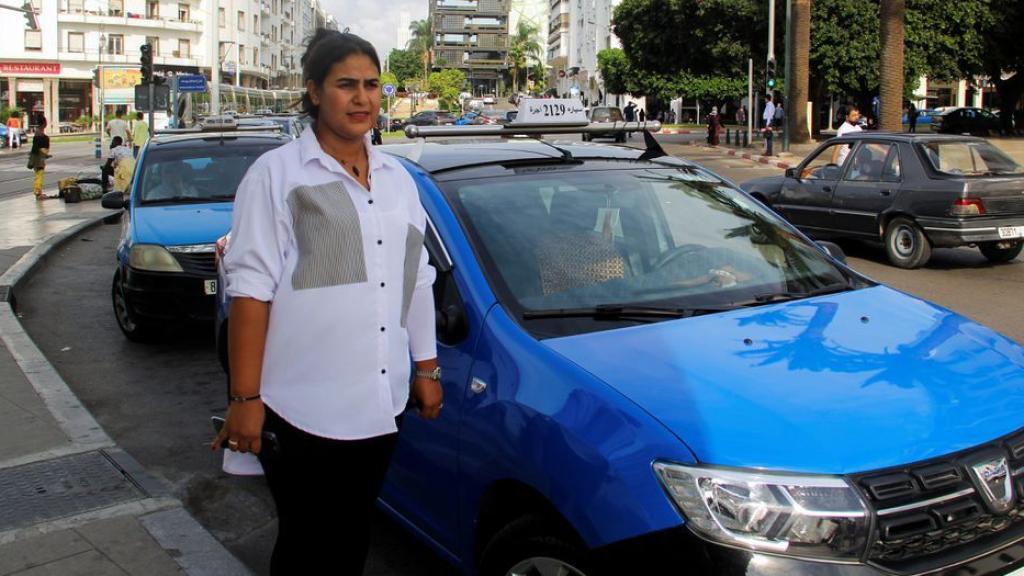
[{"x": 674, "y": 253}]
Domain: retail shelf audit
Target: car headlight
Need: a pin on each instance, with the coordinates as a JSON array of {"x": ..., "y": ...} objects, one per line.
[
  {"x": 811, "y": 516},
  {"x": 152, "y": 258}
]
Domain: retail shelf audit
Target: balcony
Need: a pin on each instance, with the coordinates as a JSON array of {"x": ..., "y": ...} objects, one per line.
[
  {"x": 265, "y": 8},
  {"x": 130, "y": 59},
  {"x": 129, "y": 19}
]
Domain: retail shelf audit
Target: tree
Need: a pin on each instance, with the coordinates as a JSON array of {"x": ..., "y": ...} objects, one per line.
[
  {"x": 890, "y": 69},
  {"x": 422, "y": 42},
  {"x": 614, "y": 68},
  {"x": 523, "y": 49},
  {"x": 797, "y": 86},
  {"x": 447, "y": 84},
  {"x": 1003, "y": 55},
  {"x": 405, "y": 65}
]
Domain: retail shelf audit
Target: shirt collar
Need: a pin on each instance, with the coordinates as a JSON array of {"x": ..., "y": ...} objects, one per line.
[{"x": 310, "y": 149}]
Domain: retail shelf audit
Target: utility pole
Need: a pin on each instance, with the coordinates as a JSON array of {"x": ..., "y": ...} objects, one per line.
[
  {"x": 214, "y": 50},
  {"x": 771, "y": 29},
  {"x": 788, "y": 75},
  {"x": 751, "y": 109}
]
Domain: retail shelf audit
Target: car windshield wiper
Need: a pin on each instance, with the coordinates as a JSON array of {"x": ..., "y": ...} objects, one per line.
[
  {"x": 784, "y": 296},
  {"x": 616, "y": 311}
]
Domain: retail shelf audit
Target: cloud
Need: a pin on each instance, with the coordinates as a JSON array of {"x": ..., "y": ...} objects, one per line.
[{"x": 375, "y": 20}]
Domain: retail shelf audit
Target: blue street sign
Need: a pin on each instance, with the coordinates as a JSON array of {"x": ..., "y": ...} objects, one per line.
[
  {"x": 191, "y": 83},
  {"x": 389, "y": 89}
]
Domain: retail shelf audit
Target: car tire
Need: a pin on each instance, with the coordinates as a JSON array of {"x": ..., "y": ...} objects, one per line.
[
  {"x": 999, "y": 252},
  {"x": 130, "y": 326},
  {"x": 906, "y": 245},
  {"x": 529, "y": 545}
]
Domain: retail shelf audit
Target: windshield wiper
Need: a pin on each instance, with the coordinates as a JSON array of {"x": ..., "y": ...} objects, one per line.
[
  {"x": 784, "y": 296},
  {"x": 617, "y": 311}
]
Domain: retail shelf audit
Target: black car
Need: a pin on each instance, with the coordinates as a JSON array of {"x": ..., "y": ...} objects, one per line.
[
  {"x": 975, "y": 121},
  {"x": 430, "y": 118},
  {"x": 606, "y": 114},
  {"x": 913, "y": 192}
]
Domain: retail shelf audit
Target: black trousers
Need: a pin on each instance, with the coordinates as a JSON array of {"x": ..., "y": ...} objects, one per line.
[{"x": 324, "y": 491}]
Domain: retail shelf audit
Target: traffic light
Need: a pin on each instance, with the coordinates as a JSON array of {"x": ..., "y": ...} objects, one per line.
[
  {"x": 146, "y": 60},
  {"x": 770, "y": 81},
  {"x": 31, "y": 22}
]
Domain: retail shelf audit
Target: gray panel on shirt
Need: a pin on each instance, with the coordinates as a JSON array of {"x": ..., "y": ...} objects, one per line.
[
  {"x": 328, "y": 235},
  {"x": 413, "y": 251}
]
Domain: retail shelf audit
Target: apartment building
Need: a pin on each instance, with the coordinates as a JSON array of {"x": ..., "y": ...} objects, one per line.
[
  {"x": 472, "y": 35},
  {"x": 578, "y": 30},
  {"x": 53, "y": 70}
]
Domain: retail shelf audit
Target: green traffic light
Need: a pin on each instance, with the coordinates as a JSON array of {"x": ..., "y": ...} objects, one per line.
[{"x": 771, "y": 83}]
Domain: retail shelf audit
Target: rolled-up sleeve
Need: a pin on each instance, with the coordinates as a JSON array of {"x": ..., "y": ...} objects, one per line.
[
  {"x": 421, "y": 323},
  {"x": 255, "y": 255}
]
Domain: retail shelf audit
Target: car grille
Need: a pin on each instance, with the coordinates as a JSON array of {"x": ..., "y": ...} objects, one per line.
[
  {"x": 927, "y": 511},
  {"x": 197, "y": 263},
  {"x": 1005, "y": 205}
]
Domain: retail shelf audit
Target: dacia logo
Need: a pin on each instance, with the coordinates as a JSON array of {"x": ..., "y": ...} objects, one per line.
[{"x": 995, "y": 483}]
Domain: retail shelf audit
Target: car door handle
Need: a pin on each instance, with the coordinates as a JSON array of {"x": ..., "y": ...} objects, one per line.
[
  {"x": 826, "y": 188},
  {"x": 477, "y": 385},
  {"x": 885, "y": 192}
]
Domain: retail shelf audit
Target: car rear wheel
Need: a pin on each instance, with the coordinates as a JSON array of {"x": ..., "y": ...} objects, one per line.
[
  {"x": 529, "y": 547},
  {"x": 999, "y": 252},
  {"x": 906, "y": 245},
  {"x": 130, "y": 326}
]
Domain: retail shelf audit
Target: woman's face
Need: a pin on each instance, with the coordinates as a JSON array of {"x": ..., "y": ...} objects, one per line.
[{"x": 349, "y": 100}]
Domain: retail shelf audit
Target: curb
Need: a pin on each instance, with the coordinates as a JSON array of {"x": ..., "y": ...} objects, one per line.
[
  {"x": 759, "y": 158},
  {"x": 186, "y": 541}
]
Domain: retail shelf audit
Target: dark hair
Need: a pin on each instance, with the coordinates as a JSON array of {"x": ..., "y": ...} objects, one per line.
[
  {"x": 119, "y": 112},
  {"x": 138, "y": 115},
  {"x": 323, "y": 50},
  {"x": 851, "y": 108},
  {"x": 767, "y": 97},
  {"x": 116, "y": 141}
]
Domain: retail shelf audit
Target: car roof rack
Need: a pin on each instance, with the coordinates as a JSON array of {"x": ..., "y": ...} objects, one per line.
[{"x": 223, "y": 123}]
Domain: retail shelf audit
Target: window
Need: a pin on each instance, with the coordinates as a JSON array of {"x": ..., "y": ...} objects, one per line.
[
  {"x": 154, "y": 42},
  {"x": 33, "y": 40},
  {"x": 255, "y": 56},
  {"x": 241, "y": 56},
  {"x": 152, "y": 9},
  {"x": 184, "y": 12},
  {"x": 273, "y": 61},
  {"x": 184, "y": 48},
  {"x": 868, "y": 162},
  {"x": 824, "y": 166},
  {"x": 221, "y": 18},
  {"x": 255, "y": 22},
  {"x": 273, "y": 33},
  {"x": 116, "y": 7},
  {"x": 76, "y": 42},
  {"x": 241, "y": 21},
  {"x": 76, "y": 6},
  {"x": 115, "y": 44},
  {"x": 203, "y": 173},
  {"x": 969, "y": 159}
]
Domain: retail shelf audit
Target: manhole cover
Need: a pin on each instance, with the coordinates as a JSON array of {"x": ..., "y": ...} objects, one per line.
[{"x": 62, "y": 487}]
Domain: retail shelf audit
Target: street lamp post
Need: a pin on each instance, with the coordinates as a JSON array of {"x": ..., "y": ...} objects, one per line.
[{"x": 103, "y": 107}]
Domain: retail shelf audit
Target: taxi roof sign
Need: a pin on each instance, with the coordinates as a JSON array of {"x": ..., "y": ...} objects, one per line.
[{"x": 551, "y": 112}]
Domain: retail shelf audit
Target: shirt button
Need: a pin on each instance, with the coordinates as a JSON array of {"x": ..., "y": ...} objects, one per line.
[
  {"x": 381, "y": 284},
  {"x": 381, "y": 328},
  {"x": 369, "y": 201},
  {"x": 383, "y": 371},
  {"x": 379, "y": 242}
]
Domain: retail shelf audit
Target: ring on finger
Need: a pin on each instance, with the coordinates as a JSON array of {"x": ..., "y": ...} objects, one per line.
[{"x": 233, "y": 443}]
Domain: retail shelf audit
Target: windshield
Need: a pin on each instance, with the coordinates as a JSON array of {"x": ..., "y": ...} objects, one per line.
[
  {"x": 671, "y": 237},
  {"x": 606, "y": 115},
  {"x": 969, "y": 158},
  {"x": 207, "y": 172}
]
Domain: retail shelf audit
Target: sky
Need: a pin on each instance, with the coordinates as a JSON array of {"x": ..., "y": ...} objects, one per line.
[{"x": 375, "y": 20}]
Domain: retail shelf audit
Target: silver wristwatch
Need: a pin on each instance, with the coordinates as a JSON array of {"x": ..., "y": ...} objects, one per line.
[{"x": 434, "y": 374}]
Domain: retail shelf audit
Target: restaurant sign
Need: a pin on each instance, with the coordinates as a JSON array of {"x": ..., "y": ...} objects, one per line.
[{"x": 29, "y": 67}]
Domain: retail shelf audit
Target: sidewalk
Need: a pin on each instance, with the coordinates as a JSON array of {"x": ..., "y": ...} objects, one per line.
[{"x": 71, "y": 502}]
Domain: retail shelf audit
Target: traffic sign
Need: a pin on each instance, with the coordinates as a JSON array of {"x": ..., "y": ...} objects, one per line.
[
  {"x": 191, "y": 83},
  {"x": 389, "y": 89}
]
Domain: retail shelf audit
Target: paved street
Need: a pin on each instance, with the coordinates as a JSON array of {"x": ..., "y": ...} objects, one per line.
[
  {"x": 68, "y": 159},
  {"x": 155, "y": 400}
]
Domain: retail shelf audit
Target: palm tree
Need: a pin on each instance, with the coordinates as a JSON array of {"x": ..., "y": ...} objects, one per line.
[
  {"x": 797, "y": 86},
  {"x": 523, "y": 49},
  {"x": 422, "y": 42},
  {"x": 890, "y": 70}
]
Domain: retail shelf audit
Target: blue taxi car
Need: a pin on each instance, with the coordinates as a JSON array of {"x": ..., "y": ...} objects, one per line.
[
  {"x": 180, "y": 202},
  {"x": 648, "y": 372}
]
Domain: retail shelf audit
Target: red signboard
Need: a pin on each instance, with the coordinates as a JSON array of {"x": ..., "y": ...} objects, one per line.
[{"x": 29, "y": 67}]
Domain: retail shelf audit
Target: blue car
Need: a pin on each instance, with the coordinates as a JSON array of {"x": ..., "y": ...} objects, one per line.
[
  {"x": 181, "y": 199},
  {"x": 646, "y": 371}
]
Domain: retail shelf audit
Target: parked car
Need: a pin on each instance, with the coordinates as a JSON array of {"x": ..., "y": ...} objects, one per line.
[
  {"x": 474, "y": 119},
  {"x": 290, "y": 125},
  {"x": 606, "y": 114},
  {"x": 977, "y": 121},
  {"x": 912, "y": 192},
  {"x": 924, "y": 116},
  {"x": 648, "y": 372},
  {"x": 180, "y": 204},
  {"x": 430, "y": 118},
  {"x": 489, "y": 99}
]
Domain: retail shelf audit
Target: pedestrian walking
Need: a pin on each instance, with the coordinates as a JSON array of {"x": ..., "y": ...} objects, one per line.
[
  {"x": 14, "y": 130},
  {"x": 37, "y": 157},
  {"x": 912, "y": 117},
  {"x": 839, "y": 153},
  {"x": 779, "y": 117},
  {"x": 741, "y": 115},
  {"x": 641, "y": 115},
  {"x": 714, "y": 126},
  {"x": 331, "y": 298},
  {"x": 769, "y": 112},
  {"x": 629, "y": 112},
  {"x": 118, "y": 127},
  {"x": 140, "y": 134}
]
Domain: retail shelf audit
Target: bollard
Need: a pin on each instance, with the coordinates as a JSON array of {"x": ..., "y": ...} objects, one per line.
[
  {"x": 99, "y": 147},
  {"x": 746, "y": 143},
  {"x": 728, "y": 137}
]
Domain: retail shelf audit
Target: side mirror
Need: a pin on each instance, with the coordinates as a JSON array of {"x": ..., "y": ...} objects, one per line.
[
  {"x": 114, "y": 201},
  {"x": 791, "y": 173},
  {"x": 833, "y": 250}
]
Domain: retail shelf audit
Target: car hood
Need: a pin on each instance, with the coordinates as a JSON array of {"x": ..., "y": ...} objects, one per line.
[
  {"x": 836, "y": 384},
  {"x": 181, "y": 224}
]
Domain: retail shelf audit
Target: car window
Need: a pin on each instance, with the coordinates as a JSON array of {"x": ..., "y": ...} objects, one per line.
[
  {"x": 969, "y": 158},
  {"x": 826, "y": 165},
  {"x": 584, "y": 239},
  {"x": 893, "y": 170},
  {"x": 868, "y": 162},
  {"x": 205, "y": 172}
]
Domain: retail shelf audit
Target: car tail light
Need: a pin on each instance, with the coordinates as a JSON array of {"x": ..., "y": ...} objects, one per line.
[{"x": 968, "y": 207}]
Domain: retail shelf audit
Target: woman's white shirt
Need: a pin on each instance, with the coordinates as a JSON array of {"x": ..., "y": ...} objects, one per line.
[{"x": 346, "y": 272}]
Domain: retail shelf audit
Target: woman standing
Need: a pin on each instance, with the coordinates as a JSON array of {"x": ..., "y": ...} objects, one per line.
[
  {"x": 37, "y": 157},
  {"x": 331, "y": 298},
  {"x": 714, "y": 126}
]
